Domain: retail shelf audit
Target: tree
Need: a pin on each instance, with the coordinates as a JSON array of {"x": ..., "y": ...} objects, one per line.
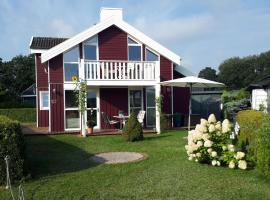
[
  {"x": 17, "y": 75},
  {"x": 208, "y": 73}
]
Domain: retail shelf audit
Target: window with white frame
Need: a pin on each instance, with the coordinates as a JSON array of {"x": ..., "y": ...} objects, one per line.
[
  {"x": 71, "y": 65},
  {"x": 71, "y": 110},
  {"x": 135, "y": 101},
  {"x": 134, "y": 50},
  {"x": 150, "y": 55},
  {"x": 90, "y": 48},
  {"x": 44, "y": 100}
]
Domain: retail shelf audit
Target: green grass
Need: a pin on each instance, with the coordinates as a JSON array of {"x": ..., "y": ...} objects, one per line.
[{"x": 61, "y": 170}]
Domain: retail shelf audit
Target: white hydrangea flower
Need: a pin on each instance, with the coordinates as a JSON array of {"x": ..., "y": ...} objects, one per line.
[
  {"x": 196, "y": 160},
  {"x": 209, "y": 150},
  {"x": 199, "y": 143},
  {"x": 212, "y": 119},
  {"x": 239, "y": 155},
  {"x": 190, "y": 158},
  {"x": 218, "y": 126},
  {"x": 214, "y": 162},
  {"x": 211, "y": 128},
  {"x": 201, "y": 128},
  {"x": 219, "y": 133},
  {"x": 198, "y": 155},
  {"x": 232, "y": 165},
  {"x": 242, "y": 164},
  {"x": 204, "y": 122},
  {"x": 208, "y": 143},
  {"x": 231, "y": 147},
  {"x": 205, "y": 136},
  {"x": 226, "y": 127},
  {"x": 214, "y": 154},
  {"x": 224, "y": 148},
  {"x": 218, "y": 163}
]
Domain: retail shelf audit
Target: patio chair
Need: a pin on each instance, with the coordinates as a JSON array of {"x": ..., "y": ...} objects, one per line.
[
  {"x": 140, "y": 116},
  {"x": 107, "y": 120}
]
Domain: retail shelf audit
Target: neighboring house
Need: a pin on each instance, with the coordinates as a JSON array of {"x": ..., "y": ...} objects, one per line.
[
  {"x": 28, "y": 96},
  {"x": 122, "y": 67},
  {"x": 260, "y": 94}
]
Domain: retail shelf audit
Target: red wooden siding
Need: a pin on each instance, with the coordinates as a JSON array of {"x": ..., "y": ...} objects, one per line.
[
  {"x": 112, "y": 100},
  {"x": 42, "y": 85},
  {"x": 56, "y": 94},
  {"x": 180, "y": 97},
  {"x": 166, "y": 74},
  {"x": 112, "y": 44}
]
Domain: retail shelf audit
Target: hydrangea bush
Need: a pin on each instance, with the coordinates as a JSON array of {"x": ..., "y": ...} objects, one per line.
[{"x": 210, "y": 143}]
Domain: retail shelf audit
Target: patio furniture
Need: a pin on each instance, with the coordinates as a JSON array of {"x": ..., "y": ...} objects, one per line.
[
  {"x": 107, "y": 120},
  {"x": 140, "y": 116},
  {"x": 122, "y": 119}
]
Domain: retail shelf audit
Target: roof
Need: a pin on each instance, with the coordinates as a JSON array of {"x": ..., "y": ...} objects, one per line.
[
  {"x": 93, "y": 30},
  {"x": 41, "y": 44},
  {"x": 263, "y": 83},
  {"x": 30, "y": 91}
]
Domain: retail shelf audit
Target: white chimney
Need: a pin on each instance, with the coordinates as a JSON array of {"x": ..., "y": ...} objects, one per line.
[{"x": 106, "y": 13}]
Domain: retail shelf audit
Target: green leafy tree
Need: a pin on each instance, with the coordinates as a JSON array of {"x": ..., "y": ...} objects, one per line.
[{"x": 208, "y": 73}]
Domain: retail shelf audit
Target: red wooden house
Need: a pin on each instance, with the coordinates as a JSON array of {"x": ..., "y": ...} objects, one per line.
[{"x": 122, "y": 67}]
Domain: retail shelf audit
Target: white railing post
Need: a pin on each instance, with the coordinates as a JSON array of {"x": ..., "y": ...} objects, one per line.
[{"x": 82, "y": 70}]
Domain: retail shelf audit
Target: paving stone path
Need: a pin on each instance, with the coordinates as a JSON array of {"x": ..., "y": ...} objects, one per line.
[{"x": 117, "y": 157}]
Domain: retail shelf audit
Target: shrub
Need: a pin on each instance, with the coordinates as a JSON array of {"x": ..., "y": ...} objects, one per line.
[
  {"x": 11, "y": 144},
  {"x": 23, "y": 115},
  {"x": 163, "y": 123},
  {"x": 262, "y": 147},
  {"x": 209, "y": 143},
  {"x": 132, "y": 130},
  {"x": 249, "y": 121}
]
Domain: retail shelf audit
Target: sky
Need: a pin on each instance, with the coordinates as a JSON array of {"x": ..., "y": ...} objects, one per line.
[{"x": 202, "y": 32}]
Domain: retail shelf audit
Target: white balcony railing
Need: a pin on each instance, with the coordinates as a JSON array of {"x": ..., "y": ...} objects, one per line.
[{"x": 120, "y": 70}]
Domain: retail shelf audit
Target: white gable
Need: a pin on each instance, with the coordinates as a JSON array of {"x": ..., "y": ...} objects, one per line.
[{"x": 105, "y": 23}]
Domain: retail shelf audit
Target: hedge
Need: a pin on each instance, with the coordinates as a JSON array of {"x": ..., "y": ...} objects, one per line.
[
  {"x": 250, "y": 121},
  {"x": 262, "y": 147},
  {"x": 132, "y": 130},
  {"x": 23, "y": 115},
  {"x": 11, "y": 144}
]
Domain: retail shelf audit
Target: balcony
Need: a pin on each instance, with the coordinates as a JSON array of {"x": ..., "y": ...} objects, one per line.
[{"x": 112, "y": 72}]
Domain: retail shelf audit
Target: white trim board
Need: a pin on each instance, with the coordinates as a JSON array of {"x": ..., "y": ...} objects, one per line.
[{"x": 64, "y": 46}]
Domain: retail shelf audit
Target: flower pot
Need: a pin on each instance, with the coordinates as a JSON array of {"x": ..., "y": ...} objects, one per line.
[{"x": 90, "y": 130}]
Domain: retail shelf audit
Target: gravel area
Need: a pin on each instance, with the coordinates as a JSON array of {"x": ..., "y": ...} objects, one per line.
[{"x": 117, "y": 157}]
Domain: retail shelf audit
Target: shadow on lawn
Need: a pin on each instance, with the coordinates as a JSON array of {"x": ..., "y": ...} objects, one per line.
[{"x": 49, "y": 156}]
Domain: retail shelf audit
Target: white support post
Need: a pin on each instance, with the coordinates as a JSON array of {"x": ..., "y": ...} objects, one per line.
[
  {"x": 82, "y": 70},
  {"x": 157, "y": 95}
]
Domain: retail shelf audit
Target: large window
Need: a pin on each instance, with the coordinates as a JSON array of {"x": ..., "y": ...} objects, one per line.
[
  {"x": 44, "y": 100},
  {"x": 150, "y": 55},
  {"x": 71, "y": 110},
  {"x": 135, "y": 101},
  {"x": 92, "y": 105},
  {"x": 134, "y": 50},
  {"x": 71, "y": 66},
  {"x": 90, "y": 48},
  {"x": 150, "y": 107}
]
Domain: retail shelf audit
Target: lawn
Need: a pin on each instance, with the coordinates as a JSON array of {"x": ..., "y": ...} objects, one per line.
[{"x": 61, "y": 169}]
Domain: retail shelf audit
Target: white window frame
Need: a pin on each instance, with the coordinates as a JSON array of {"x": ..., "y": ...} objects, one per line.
[
  {"x": 96, "y": 44},
  {"x": 78, "y": 63},
  {"x": 138, "y": 44},
  {"x": 41, "y": 107},
  {"x": 154, "y": 52},
  {"x": 67, "y": 109}
]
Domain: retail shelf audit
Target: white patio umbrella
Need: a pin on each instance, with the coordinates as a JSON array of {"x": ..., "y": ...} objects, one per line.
[{"x": 192, "y": 81}]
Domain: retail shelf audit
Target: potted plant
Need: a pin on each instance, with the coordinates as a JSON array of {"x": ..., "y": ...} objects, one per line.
[{"x": 90, "y": 124}]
